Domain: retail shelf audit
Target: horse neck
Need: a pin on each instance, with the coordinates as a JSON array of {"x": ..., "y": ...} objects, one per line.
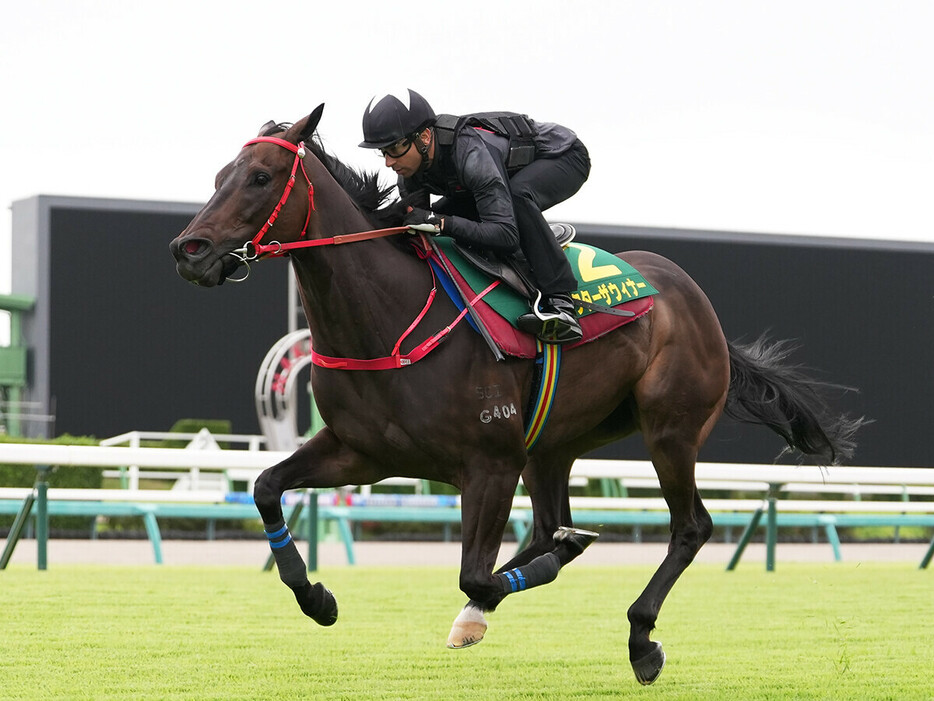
[{"x": 358, "y": 297}]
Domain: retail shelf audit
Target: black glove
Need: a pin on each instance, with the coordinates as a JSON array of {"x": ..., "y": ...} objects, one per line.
[{"x": 423, "y": 220}]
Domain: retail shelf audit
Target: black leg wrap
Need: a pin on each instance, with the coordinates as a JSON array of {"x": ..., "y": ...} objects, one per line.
[
  {"x": 567, "y": 551},
  {"x": 317, "y": 602},
  {"x": 289, "y": 563},
  {"x": 541, "y": 570}
]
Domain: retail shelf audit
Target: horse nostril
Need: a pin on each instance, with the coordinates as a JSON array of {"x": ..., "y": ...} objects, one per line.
[{"x": 191, "y": 248}]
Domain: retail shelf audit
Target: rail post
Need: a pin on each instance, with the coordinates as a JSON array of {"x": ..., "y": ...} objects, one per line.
[
  {"x": 312, "y": 530},
  {"x": 748, "y": 533},
  {"x": 42, "y": 516},
  {"x": 771, "y": 527}
]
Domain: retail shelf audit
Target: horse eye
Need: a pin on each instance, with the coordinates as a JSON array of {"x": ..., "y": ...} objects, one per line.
[{"x": 262, "y": 179}]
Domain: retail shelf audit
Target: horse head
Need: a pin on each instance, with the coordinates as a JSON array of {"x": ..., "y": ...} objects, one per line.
[{"x": 252, "y": 193}]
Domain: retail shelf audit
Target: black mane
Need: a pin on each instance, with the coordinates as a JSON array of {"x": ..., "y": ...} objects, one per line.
[{"x": 364, "y": 188}]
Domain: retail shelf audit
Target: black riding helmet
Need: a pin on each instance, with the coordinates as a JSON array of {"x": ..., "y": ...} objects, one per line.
[{"x": 390, "y": 119}]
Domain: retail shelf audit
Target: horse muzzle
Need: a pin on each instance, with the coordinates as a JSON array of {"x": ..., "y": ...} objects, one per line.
[{"x": 198, "y": 261}]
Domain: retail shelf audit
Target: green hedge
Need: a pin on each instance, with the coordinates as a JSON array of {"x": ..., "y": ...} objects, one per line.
[
  {"x": 79, "y": 477},
  {"x": 76, "y": 477}
]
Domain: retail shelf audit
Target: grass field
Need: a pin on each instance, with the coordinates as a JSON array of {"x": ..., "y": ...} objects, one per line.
[{"x": 839, "y": 631}]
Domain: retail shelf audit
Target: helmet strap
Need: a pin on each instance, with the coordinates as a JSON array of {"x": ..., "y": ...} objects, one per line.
[{"x": 424, "y": 148}]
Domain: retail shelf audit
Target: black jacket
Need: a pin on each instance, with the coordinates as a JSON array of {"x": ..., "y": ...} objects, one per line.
[{"x": 471, "y": 175}]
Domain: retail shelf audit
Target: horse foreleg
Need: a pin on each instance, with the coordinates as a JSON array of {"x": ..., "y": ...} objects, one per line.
[
  {"x": 486, "y": 500},
  {"x": 546, "y": 483},
  {"x": 552, "y": 547},
  {"x": 315, "y": 600},
  {"x": 469, "y": 627},
  {"x": 321, "y": 462}
]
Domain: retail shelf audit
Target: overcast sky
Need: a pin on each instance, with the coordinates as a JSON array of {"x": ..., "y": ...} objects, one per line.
[{"x": 796, "y": 117}]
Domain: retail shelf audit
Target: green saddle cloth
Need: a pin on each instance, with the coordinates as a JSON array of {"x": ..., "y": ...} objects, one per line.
[{"x": 602, "y": 279}]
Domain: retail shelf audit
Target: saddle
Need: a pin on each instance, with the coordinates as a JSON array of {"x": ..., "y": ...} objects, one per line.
[{"x": 513, "y": 270}]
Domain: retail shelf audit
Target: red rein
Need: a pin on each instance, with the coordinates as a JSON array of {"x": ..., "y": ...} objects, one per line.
[{"x": 254, "y": 249}]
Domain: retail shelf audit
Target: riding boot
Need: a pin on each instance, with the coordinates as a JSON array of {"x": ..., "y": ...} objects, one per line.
[{"x": 555, "y": 322}]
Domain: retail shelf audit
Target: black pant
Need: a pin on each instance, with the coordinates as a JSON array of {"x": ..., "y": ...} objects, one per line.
[{"x": 542, "y": 184}]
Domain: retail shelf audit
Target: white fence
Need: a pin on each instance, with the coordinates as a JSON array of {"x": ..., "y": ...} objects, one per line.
[{"x": 865, "y": 489}]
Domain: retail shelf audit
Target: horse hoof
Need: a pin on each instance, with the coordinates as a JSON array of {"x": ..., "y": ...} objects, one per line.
[
  {"x": 465, "y": 635},
  {"x": 317, "y": 602},
  {"x": 649, "y": 667},
  {"x": 577, "y": 539},
  {"x": 468, "y": 629}
]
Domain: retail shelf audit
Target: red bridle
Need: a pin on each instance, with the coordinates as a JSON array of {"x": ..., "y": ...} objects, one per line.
[
  {"x": 299, "y": 151},
  {"x": 254, "y": 249}
]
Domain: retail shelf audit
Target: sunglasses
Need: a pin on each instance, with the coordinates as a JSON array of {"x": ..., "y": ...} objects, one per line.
[{"x": 397, "y": 149}]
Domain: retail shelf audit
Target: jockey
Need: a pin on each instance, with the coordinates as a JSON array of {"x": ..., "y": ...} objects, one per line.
[{"x": 496, "y": 172}]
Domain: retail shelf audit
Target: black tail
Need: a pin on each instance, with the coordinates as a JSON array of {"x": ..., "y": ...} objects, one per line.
[{"x": 763, "y": 390}]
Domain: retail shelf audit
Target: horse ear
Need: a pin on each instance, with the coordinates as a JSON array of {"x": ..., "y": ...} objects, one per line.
[
  {"x": 310, "y": 123},
  {"x": 263, "y": 130}
]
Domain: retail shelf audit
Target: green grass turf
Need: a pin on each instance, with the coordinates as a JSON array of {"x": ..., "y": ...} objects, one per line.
[{"x": 838, "y": 631}]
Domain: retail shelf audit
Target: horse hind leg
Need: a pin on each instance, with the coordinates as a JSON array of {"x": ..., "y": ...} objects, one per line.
[
  {"x": 546, "y": 481},
  {"x": 569, "y": 542},
  {"x": 678, "y": 400},
  {"x": 691, "y": 527}
]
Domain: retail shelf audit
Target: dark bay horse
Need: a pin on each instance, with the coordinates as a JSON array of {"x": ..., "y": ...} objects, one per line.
[{"x": 670, "y": 374}]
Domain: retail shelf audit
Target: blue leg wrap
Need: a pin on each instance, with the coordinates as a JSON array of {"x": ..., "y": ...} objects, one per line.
[
  {"x": 289, "y": 563},
  {"x": 541, "y": 570},
  {"x": 279, "y": 538}
]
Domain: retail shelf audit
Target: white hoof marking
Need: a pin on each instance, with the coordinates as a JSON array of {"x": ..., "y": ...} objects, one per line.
[{"x": 468, "y": 629}]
